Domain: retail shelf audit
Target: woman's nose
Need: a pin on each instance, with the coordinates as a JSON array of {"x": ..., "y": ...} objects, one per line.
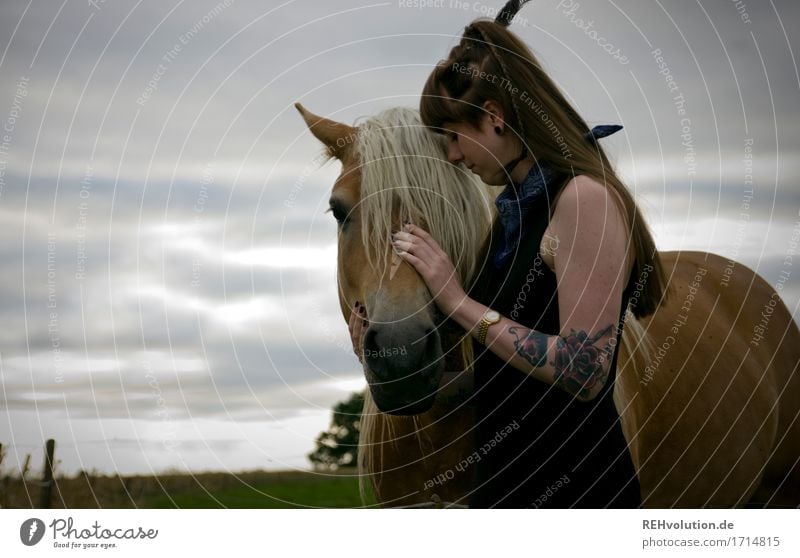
[{"x": 454, "y": 154}]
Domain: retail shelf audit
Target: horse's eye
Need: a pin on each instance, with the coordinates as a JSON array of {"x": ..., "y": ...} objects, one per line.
[
  {"x": 340, "y": 217},
  {"x": 339, "y": 214}
]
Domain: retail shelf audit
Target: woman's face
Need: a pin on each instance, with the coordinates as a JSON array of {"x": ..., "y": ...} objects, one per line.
[{"x": 481, "y": 149}]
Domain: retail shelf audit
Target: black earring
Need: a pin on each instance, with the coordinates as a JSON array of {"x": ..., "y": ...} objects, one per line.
[{"x": 498, "y": 130}]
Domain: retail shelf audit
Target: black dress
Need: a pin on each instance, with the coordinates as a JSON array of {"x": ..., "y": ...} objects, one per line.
[{"x": 537, "y": 445}]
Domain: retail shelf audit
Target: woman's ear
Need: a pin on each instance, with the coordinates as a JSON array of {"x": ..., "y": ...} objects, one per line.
[{"x": 494, "y": 112}]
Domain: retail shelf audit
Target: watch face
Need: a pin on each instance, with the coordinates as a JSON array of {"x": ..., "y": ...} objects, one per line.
[{"x": 492, "y": 315}]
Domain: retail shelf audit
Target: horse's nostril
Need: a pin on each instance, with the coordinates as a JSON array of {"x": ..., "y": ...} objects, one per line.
[
  {"x": 432, "y": 343},
  {"x": 430, "y": 336},
  {"x": 370, "y": 341}
]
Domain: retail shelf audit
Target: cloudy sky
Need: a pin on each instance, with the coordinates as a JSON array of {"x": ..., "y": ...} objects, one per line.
[{"x": 168, "y": 292}]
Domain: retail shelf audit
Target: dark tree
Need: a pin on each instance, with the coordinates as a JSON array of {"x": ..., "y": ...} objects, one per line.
[{"x": 338, "y": 445}]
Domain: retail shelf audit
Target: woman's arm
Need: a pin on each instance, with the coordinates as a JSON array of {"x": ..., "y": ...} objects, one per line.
[
  {"x": 592, "y": 267},
  {"x": 546, "y": 357}
]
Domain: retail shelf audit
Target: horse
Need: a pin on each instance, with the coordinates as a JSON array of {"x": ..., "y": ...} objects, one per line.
[{"x": 707, "y": 388}]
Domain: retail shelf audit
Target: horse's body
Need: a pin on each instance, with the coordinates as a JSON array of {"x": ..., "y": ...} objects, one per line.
[
  {"x": 708, "y": 387},
  {"x": 713, "y": 422}
]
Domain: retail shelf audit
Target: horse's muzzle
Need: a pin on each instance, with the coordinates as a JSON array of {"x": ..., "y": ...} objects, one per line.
[{"x": 403, "y": 376}]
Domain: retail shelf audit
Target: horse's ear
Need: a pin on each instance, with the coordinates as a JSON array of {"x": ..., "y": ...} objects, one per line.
[{"x": 336, "y": 136}]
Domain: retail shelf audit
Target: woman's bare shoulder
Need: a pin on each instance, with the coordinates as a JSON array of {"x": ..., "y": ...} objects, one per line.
[{"x": 583, "y": 204}]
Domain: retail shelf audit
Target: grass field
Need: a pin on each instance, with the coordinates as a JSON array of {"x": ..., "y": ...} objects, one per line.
[{"x": 257, "y": 489}]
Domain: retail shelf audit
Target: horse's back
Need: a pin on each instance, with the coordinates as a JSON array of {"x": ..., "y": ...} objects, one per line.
[
  {"x": 774, "y": 343},
  {"x": 711, "y": 417}
]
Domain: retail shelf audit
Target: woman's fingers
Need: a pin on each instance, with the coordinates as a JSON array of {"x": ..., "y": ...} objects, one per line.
[
  {"x": 357, "y": 325},
  {"x": 358, "y": 334},
  {"x": 410, "y": 247},
  {"x": 352, "y": 321},
  {"x": 424, "y": 235},
  {"x": 405, "y": 242},
  {"x": 418, "y": 263}
]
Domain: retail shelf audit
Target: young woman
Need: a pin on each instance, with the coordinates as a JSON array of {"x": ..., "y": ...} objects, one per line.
[{"x": 566, "y": 251}]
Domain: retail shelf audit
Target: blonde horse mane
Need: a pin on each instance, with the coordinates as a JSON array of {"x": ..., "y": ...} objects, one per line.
[{"x": 405, "y": 173}]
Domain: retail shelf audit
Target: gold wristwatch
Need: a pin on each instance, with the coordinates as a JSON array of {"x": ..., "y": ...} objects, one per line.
[{"x": 489, "y": 317}]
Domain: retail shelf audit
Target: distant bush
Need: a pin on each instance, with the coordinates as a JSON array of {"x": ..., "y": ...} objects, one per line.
[{"x": 338, "y": 445}]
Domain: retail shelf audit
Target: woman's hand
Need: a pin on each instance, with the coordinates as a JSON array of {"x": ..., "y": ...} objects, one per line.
[
  {"x": 419, "y": 248},
  {"x": 357, "y": 325}
]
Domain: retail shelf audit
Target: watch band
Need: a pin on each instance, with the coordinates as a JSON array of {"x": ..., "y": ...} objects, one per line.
[
  {"x": 489, "y": 317},
  {"x": 483, "y": 329}
]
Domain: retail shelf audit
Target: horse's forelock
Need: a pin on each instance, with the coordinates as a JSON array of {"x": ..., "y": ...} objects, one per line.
[{"x": 404, "y": 171}]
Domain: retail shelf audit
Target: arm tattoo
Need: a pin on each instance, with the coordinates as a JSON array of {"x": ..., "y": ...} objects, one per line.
[
  {"x": 532, "y": 345},
  {"x": 578, "y": 361}
]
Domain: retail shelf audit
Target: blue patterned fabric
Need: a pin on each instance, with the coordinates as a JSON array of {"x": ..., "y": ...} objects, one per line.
[{"x": 513, "y": 202}]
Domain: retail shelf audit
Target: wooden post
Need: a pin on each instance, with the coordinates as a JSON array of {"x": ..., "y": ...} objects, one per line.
[
  {"x": 47, "y": 480},
  {"x": 25, "y": 467},
  {"x": 4, "y": 494},
  {"x": 4, "y": 488}
]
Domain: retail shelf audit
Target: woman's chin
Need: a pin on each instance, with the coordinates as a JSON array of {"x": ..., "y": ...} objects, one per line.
[{"x": 497, "y": 179}]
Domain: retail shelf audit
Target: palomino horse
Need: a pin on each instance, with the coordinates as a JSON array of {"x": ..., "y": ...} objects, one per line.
[{"x": 708, "y": 387}]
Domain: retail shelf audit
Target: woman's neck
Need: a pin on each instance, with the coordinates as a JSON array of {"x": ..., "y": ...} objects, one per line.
[{"x": 522, "y": 169}]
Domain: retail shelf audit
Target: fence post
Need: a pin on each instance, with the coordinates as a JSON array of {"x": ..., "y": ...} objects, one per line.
[
  {"x": 26, "y": 467},
  {"x": 4, "y": 488},
  {"x": 47, "y": 481}
]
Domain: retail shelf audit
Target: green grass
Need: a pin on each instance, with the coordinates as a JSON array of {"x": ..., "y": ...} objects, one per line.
[
  {"x": 252, "y": 489},
  {"x": 303, "y": 492}
]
